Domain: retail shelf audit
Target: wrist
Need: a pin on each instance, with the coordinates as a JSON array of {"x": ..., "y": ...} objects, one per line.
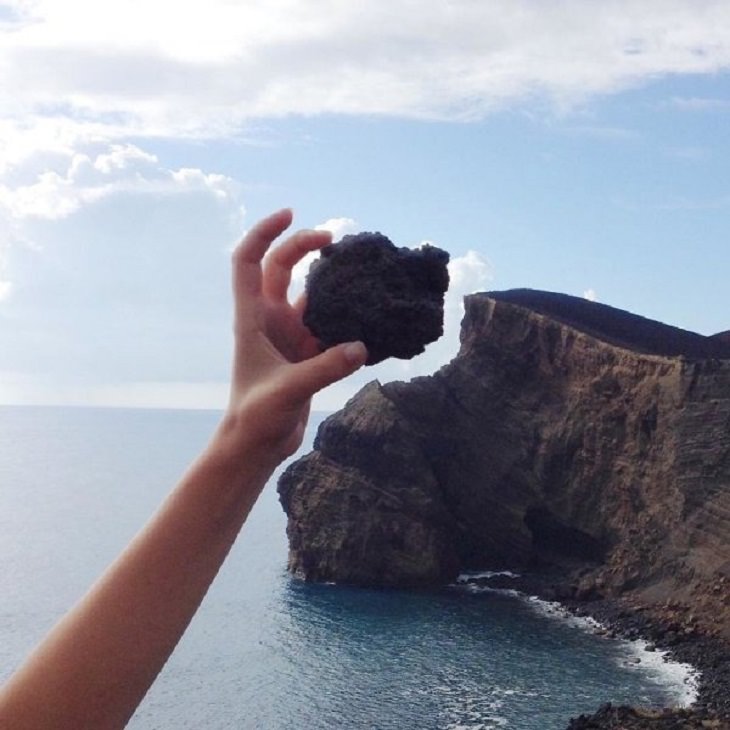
[
  {"x": 238, "y": 441},
  {"x": 226, "y": 479}
]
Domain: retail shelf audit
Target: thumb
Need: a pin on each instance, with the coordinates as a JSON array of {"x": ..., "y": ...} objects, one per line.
[{"x": 309, "y": 376}]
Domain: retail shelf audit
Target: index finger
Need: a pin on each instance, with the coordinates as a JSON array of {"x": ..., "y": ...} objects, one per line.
[{"x": 248, "y": 254}]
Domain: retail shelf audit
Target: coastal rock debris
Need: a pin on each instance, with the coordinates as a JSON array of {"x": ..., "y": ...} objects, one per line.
[{"x": 365, "y": 288}]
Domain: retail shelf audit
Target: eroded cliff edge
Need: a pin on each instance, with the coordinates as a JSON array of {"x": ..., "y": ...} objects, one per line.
[{"x": 566, "y": 436}]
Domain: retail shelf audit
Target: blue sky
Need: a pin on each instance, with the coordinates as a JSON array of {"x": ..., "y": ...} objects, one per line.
[{"x": 577, "y": 147}]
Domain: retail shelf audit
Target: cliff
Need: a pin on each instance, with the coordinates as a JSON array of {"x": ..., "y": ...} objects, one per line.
[{"x": 566, "y": 437}]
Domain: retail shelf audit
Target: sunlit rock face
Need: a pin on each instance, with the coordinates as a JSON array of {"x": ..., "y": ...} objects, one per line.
[{"x": 566, "y": 435}]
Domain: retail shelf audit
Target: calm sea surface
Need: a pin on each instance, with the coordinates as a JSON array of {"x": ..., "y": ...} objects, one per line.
[{"x": 266, "y": 651}]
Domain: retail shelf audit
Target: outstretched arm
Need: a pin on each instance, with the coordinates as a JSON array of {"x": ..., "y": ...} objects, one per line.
[{"x": 96, "y": 665}]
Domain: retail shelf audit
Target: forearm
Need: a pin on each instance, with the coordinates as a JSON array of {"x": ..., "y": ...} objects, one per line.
[
  {"x": 96, "y": 665},
  {"x": 98, "y": 662}
]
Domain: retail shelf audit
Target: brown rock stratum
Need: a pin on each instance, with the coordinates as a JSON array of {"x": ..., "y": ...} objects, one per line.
[{"x": 565, "y": 436}]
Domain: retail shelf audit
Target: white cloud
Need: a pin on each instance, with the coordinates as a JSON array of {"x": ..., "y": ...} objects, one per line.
[
  {"x": 467, "y": 274},
  {"x": 117, "y": 69},
  {"x": 80, "y": 179},
  {"x": 338, "y": 227},
  {"x": 590, "y": 295}
]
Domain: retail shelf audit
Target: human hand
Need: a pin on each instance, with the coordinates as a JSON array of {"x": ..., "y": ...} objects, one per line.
[{"x": 277, "y": 365}]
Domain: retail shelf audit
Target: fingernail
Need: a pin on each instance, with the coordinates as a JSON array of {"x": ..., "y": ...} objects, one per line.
[{"x": 355, "y": 353}]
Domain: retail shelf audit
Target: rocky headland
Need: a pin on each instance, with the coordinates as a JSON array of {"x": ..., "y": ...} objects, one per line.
[{"x": 582, "y": 446}]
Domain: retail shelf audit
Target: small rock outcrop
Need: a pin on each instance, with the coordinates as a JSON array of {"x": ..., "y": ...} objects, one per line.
[{"x": 565, "y": 436}]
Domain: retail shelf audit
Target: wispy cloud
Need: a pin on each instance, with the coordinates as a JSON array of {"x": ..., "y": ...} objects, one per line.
[{"x": 207, "y": 69}]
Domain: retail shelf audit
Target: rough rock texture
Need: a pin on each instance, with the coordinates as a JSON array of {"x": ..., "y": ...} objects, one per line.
[
  {"x": 628, "y": 718},
  {"x": 364, "y": 288},
  {"x": 565, "y": 435}
]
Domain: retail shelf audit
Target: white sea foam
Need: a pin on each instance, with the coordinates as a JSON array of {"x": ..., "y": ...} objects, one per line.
[
  {"x": 680, "y": 678},
  {"x": 683, "y": 678},
  {"x": 470, "y": 707},
  {"x": 473, "y": 588},
  {"x": 556, "y": 610},
  {"x": 466, "y": 577}
]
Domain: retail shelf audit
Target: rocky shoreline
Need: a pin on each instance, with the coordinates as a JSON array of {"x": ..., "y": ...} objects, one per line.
[{"x": 664, "y": 631}]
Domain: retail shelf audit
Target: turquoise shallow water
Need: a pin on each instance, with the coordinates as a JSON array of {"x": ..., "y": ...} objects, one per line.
[{"x": 266, "y": 651}]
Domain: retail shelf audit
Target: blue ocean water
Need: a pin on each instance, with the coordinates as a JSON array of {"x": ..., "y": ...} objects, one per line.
[{"x": 266, "y": 651}]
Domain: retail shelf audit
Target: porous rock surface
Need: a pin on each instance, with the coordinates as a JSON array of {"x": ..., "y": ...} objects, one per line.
[
  {"x": 365, "y": 288},
  {"x": 610, "y": 717}
]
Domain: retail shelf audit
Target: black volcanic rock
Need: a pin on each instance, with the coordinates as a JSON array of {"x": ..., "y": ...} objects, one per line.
[
  {"x": 611, "y": 717},
  {"x": 722, "y": 337},
  {"x": 365, "y": 288}
]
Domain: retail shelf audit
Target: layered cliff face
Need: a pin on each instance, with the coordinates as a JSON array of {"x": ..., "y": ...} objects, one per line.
[{"x": 565, "y": 435}]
